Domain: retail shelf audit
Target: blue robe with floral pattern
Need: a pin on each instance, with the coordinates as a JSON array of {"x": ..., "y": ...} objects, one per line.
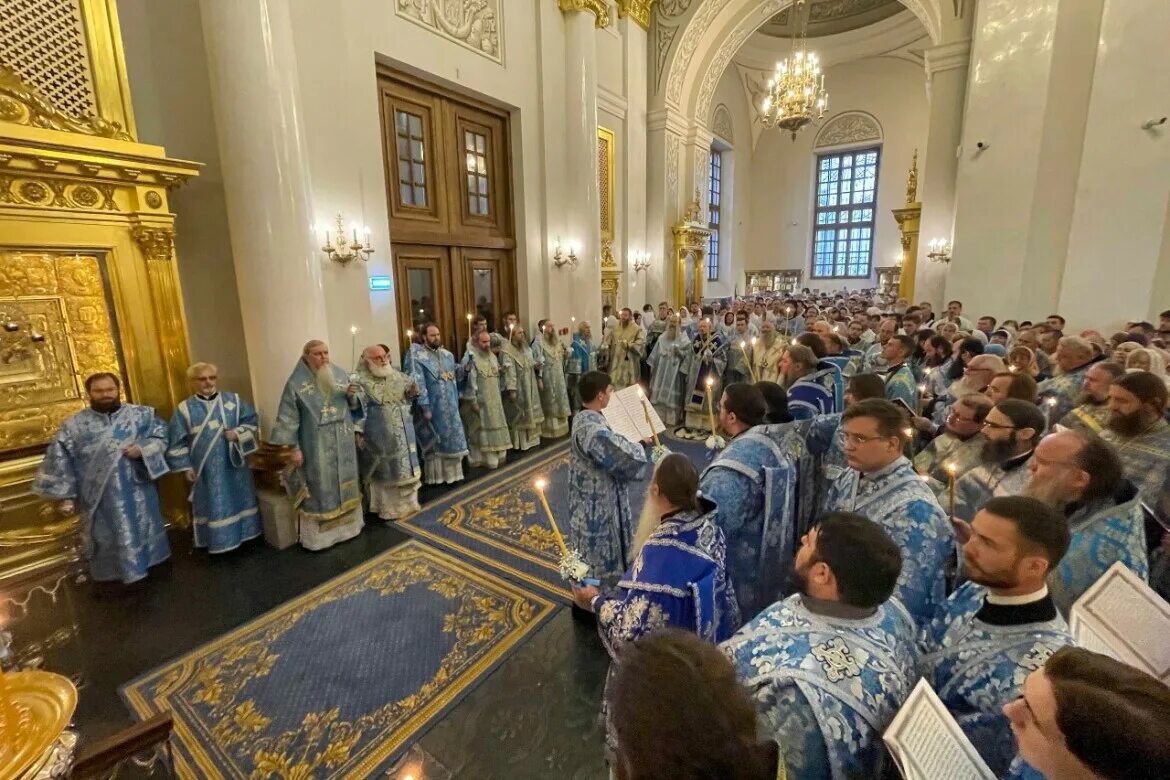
[
  {"x": 899, "y": 501},
  {"x": 223, "y": 499},
  {"x": 753, "y": 484},
  {"x": 812, "y": 395},
  {"x": 826, "y": 687},
  {"x": 1064, "y": 389},
  {"x": 601, "y": 524},
  {"x": 901, "y": 386},
  {"x": 976, "y": 668},
  {"x": 121, "y": 524},
  {"x": 678, "y": 580},
  {"x": 437, "y": 376}
]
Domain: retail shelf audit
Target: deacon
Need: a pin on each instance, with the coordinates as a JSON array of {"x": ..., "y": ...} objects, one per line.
[
  {"x": 1011, "y": 431},
  {"x": 437, "y": 424},
  {"x": 316, "y": 417},
  {"x": 739, "y": 353},
  {"x": 1081, "y": 476},
  {"x": 678, "y": 579},
  {"x": 482, "y": 406},
  {"x": 211, "y": 435},
  {"x": 829, "y": 667},
  {"x": 601, "y": 464},
  {"x": 900, "y": 382},
  {"x": 522, "y": 398},
  {"x": 707, "y": 360},
  {"x": 624, "y": 346},
  {"x": 810, "y": 389},
  {"x": 668, "y": 362},
  {"x": 582, "y": 360},
  {"x": 999, "y": 625},
  {"x": 103, "y": 462},
  {"x": 1091, "y": 414},
  {"x": 767, "y": 352},
  {"x": 554, "y": 392},
  {"x": 753, "y": 484},
  {"x": 385, "y": 436},
  {"x": 881, "y": 484}
]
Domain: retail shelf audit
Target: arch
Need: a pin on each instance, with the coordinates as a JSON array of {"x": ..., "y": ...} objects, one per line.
[
  {"x": 849, "y": 127},
  {"x": 721, "y": 123}
]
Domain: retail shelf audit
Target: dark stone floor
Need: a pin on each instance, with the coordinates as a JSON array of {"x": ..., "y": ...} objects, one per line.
[{"x": 535, "y": 716}]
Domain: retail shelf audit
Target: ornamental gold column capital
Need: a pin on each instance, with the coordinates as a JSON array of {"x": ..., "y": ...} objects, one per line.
[
  {"x": 638, "y": 10},
  {"x": 157, "y": 242},
  {"x": 599, "y": 8}
]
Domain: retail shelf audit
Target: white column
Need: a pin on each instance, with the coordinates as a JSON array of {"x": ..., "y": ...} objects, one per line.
[
  {"x": 634, "y": 182},
  {"x": 254, "y": 94},
  {"x": 663, "y": 168},
  {"x": 581, "y": 286},
  {"x": 946, "y": 85}
]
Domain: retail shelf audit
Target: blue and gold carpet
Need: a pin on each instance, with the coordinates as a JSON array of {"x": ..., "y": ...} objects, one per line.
[
  {"x": 340, "y": 680},
  {"x": 497, "y": 520}
]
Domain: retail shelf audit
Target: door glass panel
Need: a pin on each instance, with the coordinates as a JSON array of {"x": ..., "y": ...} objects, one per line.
[
  {"x": 420, "y": 283},
  {"x": 483, "y": 288},
  {"x": 475, "y": 165},
  {"x": 412, "y": 174}
]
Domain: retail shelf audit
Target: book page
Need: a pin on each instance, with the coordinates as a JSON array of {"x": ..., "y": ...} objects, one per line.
[
  {"x": 928, "y": 744},
  {"x": 626, "y": 414},
  {"x": 1123, "y": 617},
  {"x": 620, "y": 421}
]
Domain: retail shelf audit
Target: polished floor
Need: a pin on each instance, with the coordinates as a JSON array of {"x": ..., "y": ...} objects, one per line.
[{"x": 534, "y": 717}]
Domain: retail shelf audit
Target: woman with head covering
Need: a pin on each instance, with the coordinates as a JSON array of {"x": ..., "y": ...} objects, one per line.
[{"x": 1023, "y": 360}]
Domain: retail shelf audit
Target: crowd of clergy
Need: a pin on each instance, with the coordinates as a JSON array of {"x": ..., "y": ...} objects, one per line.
[{"x": 890, "y": 494}]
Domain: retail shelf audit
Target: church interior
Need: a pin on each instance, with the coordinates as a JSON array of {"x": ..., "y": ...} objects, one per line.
[{"x": 220, "y": 188}]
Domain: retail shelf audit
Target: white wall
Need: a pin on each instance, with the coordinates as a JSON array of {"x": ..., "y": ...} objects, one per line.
[
  {"x": 737, "y": 183},
  {"x": 782, "y": 170}
]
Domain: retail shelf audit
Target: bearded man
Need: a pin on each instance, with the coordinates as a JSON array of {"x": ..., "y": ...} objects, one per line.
[
  {"x": 554, "y": 391},
  {"x": 708, "y": 359},
  {"x": 385, "y": 436},
  {"x": 959, "y": 446},
  {"x": 522, "y": 387},
  {"x": 1082, "y": 477},
  {"x": 316, "y": 417},
  {"x": 1091, "y": 414},
  {"x": 624, "y": 346},
  {"x": 766, "y": 353},
  {"x": 1073, "y": 356},
  {"x": 437, "y": 425},
  {"x": 211, "y": 435},
  {"x": 582, "y": 360},
  {"x": 1137, "y": 428},
  {"x": 1011, "y": 432},
  {"x": 668, "y": 362},
  {"x": 482, "y": 406},
  {"x": 739, "y": 352},
  {"x": 104, "y": 461}
]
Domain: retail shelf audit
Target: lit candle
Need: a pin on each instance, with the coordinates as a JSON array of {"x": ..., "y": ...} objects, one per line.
[
  {"x": 710, "y": 405},
  {"x": 747, "y": 357},
  {"x": 649, "y": 422},
  {"x": 921, "y": 398},
  {"x": 409, "y": 357},
  {"x": 353, "y": 331},
  {"x": 951, "y": 468},
  {"x": 1049, "y": 405},
  {"x": 469, "y": 319},
  {"x": 540, "y": 485}
]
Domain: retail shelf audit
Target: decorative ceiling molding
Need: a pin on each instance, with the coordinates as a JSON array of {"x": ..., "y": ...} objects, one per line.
[
  {"x": 721, "y": 123},
  {"x": 832, "y": 17},
  {"x": 901, "y": 36},
  {"x": 849, "y": 127}
]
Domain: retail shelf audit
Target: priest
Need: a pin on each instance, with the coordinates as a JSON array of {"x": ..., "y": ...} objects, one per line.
[
  {"x": 103, "y": 463},
  {"x": 522, "y": 390},
  {"x": 582, "y": 360},
  {"x": 482, "y": 405},
  {"x": 668, "y": 362},
  {"x": 1091, "y": 414},
  {"x": 707, "y": 360},
  {"x": 437, "y": 424},
  {"x": 211, "y": 435},
  {"x": 316, "y": 417},
  {"x": 385, "y": 436},
  {"x": 554, "y": 392},
  {"x": 766, "y": 353},
  {"x": 623, "y": 347}
]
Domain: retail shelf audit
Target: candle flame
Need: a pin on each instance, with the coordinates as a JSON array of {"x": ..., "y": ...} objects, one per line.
[
  {"x": 710, "y": 382},
  {"x": 469, "y": 317},
  {"x": 540, "y": 484},
  {"x": 951, "y": 468},
  {"x": 742, "y": 344},
  {"x": 909, "y": 432},
  {"x": 353, "y": 329},
  {"x": 640, "y": 393},
  {"x": 409, "y": 333},
  {"x": 1050, "y": 401}
]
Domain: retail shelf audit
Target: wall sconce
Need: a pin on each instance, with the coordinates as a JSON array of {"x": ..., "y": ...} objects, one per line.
[
  {"x": 339, "y": 250},
  {"x": 939, "y": 250},
  {"x": 561, "y": 259},
  {"x": 899, "y": 259},
  {"x": 641, "y": 261}
]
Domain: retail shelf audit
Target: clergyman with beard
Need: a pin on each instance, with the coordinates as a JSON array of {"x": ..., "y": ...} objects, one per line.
[
  {"x": 103, "y": 462},
  {"x": 317, "y": 413},
  {"x": 1011, "y": 431},
  {"x": 1091, "y": 414},
  {"x": 847, "y": 567},
  {"x": 385, "y": 436},
  {"x": 1082, "y": 477},
  {"x": 1137, "y": 428}
]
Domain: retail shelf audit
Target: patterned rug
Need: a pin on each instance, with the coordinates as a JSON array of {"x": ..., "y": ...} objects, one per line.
[
  {"x": 300, "y": 693},
  {"x": 497, "y": 520}
]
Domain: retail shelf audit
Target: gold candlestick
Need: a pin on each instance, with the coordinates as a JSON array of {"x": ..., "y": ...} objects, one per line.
[{"x": 540, "y": 485}]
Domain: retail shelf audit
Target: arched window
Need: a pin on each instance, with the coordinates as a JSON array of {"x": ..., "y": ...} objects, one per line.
[{"x": 848, "y": 150}]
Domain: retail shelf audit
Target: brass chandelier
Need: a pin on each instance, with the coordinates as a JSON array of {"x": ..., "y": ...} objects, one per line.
[{"x": 796, "y": 92}]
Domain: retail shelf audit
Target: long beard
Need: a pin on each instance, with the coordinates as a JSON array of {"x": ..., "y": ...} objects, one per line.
[
  {"x": 1084, "y": 399},
  {"x": 1127, "y": 424},
  {"x": 768, "y": 338},
  {"x": 1049, "y": 491},
  {"x": 672, "y": 332},
  {"x": 380, "y": 371},
  {"x": 995, "y": 452},
  {"x": 106, "y": 407},
  {"x": 326, "y": 385},
  {"x": 647, "y": 521}
]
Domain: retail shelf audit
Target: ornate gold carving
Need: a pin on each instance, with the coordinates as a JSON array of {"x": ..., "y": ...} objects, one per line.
[
  {"x": 85, "y": 196},
  {"x": 606, "y": 160},
  {"x": 24, "y": 105},
  {"x": 157, "y": 242},
  {"x": 638, "y": 10},
  {"x": 912, "y": 181},
  {"x": 153, "y": 199},
  {"x": 599, "y": 8},
  {"x": 690, "y": 253}
]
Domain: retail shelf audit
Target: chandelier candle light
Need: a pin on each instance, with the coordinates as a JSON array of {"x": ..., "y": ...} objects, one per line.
[
  {"x": 572, "y": 567},
  {"x": 796, "y": 92}
]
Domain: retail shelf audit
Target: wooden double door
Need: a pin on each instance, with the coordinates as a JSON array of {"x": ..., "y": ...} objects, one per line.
[{"x": 448, "y": 179}]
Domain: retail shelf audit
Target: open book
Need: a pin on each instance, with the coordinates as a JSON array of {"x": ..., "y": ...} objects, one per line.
[
  {"x": 928, "y": 744},
  {"x": 626, "y": 414},
  {"x": 1122, "y": 617}
]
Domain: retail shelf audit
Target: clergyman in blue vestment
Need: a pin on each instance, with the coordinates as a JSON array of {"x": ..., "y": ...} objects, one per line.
[
  {"x": 104, "y": 461},
  {"x": 211, "y": 435},
  {"x": 387, "y": 453},
  {"x": 317, "y": 413},
  {"x": 829, "y": 666},
  {"x": 601, "y": 464},
  {"x": 437, "y": 424}
]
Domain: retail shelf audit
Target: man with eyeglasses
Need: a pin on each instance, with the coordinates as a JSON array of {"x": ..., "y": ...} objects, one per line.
[
  {"x": 959, "y": 446},
  {"x": 1073, "y": 356},
  {"x": 881, "y": 484},
  {"x": 1082, "y": 476},
  {"x": 1010, "y": 434}
]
